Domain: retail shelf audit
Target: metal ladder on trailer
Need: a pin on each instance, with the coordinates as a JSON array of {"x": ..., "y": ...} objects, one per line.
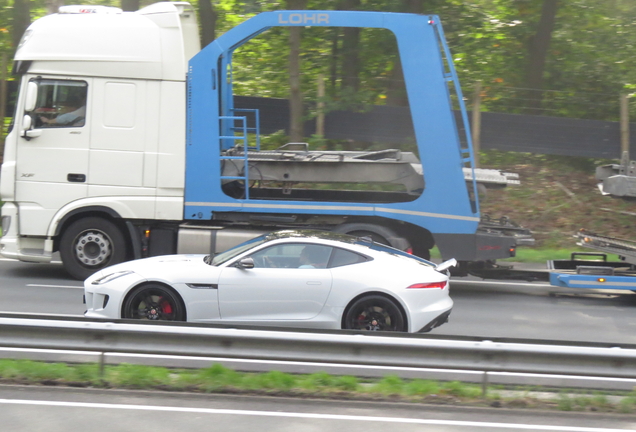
[{"x": 466, "y": 144}]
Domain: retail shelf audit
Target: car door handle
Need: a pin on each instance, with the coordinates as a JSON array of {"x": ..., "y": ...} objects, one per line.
[
  {"x": 77, "y": 178},
  {"x": 314, "y": 283}
]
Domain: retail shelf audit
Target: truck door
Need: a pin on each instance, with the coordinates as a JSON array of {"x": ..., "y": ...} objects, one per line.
[{"x": 52, "y": 153}]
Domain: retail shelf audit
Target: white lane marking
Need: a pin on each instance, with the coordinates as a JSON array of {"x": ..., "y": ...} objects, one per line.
[
  {"x": 472, "y": 424},
  {"x": 515, "y": 283},
  {"x": 54, "y": 286},
  {"x": 15, "y": 260},
  {"x": 40, "y": 314}
]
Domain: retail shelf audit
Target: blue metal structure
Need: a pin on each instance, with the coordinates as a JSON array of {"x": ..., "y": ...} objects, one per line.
[
  {"x": 570, "y": 280},
  {"x": 446, "y": 204}
]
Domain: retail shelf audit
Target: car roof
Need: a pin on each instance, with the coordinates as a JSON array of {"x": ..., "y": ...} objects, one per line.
[{"x": 362, "y": 244}]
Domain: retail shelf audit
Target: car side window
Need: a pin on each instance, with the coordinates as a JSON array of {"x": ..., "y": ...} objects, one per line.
[
  {"x": 342, "y": 257},
  {"x": 296, "y": 255}
]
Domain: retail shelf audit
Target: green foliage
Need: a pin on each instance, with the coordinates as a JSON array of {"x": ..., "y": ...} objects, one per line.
[
  {"x": 421, "y": 387},
  {"x": 86, "y": 373},
  {"x": 460, "y": 389},
  {"x": 218, "y": 378},
  {"x": 317, "y": 380},
  {"x": 390, "y": 384},
  {"x": 137, "y": 376},
  {"x": 215, "y": 377},
  {"x": 271, "y": 380},
  {"x": 346, "y": 383},
  {"x": 627, "y": 405},
  {"x": 588, "y": 63},
  {"x": 565, "y": 402}
]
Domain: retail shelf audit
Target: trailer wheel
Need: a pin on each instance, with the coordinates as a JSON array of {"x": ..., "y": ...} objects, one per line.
[
  {"x": 377, "y": 233},
  {"x": 89, "y": 245}
]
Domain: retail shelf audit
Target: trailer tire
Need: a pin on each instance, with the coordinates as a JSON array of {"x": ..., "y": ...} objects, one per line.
[
  {"x": 377, "y": 233},
  {"x": 89, "y": 245}
]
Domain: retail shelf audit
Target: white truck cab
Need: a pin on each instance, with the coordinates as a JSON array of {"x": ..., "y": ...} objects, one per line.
[{"x": 121, "y": 75}]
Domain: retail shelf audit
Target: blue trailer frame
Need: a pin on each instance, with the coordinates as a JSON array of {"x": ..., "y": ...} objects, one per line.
[{"x": 447, "y": 204}]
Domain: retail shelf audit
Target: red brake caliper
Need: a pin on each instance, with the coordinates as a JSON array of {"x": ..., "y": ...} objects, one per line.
[{"x": 166, "y": 306}]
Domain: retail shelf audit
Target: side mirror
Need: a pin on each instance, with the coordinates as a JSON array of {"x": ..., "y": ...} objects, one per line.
[
  {"x": 27, "y": 122},
  {"x": 31, "y": 96},
  {"x": 27, "y": 132},
  {"x": 446, "y": 265},
  {"x": 245, "y": 263}
]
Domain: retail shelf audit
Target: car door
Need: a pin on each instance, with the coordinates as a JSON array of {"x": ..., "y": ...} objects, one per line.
[{"x": 275, "y": 289}]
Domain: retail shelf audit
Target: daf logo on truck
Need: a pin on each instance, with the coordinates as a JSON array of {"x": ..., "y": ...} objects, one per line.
[{"x": 303, "y": 18}]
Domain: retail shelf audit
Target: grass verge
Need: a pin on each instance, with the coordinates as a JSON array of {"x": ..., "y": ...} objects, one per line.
[{"x": 218, "y": 379}]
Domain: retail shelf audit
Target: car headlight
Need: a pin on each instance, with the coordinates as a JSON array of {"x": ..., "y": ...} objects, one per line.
[{"x": 110, "y": 277}]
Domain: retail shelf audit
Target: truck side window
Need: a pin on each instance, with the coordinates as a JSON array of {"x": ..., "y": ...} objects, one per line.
[{"x": 60, "y": 103}]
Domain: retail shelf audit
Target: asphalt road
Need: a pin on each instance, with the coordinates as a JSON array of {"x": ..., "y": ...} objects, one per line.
[
  {"x": 482, "y": 308},
  {"x": 69, "y": 410}
]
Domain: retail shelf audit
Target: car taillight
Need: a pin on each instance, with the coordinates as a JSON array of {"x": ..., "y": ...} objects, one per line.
[{"x": 440, "y": 285}]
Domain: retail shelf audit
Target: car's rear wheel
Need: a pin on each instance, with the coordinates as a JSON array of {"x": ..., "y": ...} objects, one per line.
[
  {"x": 374, "y": 313},
  {"x": 153, "y": 302}
]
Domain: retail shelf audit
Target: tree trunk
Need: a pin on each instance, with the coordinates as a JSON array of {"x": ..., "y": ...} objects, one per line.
[
  {"x": 295, "y": 94},
  {"x": 350, "y": 50},
  {"x": 537, "y": 53},
  {"x": 334, "y": 60},
  {"x": 21, "y": 20},
  {"x": 53, "y": 5},
  {"x": 130, "y": 5},
  {"x": 396, "y": 91},
  {"x": 207, "y": 17}
]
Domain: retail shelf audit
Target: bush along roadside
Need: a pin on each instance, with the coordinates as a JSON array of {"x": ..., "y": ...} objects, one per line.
[{"x": 218, "y": 379}]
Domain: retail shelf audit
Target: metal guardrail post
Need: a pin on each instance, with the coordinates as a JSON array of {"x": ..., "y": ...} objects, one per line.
[{"x": 484, "y": 385}]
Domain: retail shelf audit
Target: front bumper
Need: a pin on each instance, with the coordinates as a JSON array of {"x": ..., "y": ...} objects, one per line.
[{"x": 29, "y": 249}]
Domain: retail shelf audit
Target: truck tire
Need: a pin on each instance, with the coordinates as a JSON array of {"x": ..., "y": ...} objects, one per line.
[
  {"x": 89, "y": 245},
  {"x": 377, "y": 233}
]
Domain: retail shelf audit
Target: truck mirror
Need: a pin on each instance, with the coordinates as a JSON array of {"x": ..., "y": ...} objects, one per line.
[
  {"x": 31, "y": 96},
  {"x": 27, "y": 132},
  {"x": 27, "y": 122}
]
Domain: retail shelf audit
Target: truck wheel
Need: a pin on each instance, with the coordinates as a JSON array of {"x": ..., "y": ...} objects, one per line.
[
  {"x": 377, "y": 233},
  {"x": 89, "y": 245}
]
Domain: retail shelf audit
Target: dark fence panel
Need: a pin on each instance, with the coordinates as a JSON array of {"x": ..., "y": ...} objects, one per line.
[
  {"x": 552, "y": 135},
  {"x": 507, "y": 132}
]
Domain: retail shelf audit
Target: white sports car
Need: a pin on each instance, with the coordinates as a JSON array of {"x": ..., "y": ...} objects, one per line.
[{"x": 291, "y": 278}]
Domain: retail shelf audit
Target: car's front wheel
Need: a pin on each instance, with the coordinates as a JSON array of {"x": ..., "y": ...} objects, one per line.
[
  {"x": 153, "y": 302},
  {"x": 374, "y": 313}
]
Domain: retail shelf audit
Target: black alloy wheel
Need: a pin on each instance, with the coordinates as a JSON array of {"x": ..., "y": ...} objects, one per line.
[
  {"x": 374, "y": 313},
  {"x": 153, "y": 302}
]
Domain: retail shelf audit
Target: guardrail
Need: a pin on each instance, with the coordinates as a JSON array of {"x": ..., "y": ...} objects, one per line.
[{"x": 113, "y": 342}]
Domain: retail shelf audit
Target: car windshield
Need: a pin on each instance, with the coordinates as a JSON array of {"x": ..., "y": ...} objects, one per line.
[{"x": 236, "y": 250}]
